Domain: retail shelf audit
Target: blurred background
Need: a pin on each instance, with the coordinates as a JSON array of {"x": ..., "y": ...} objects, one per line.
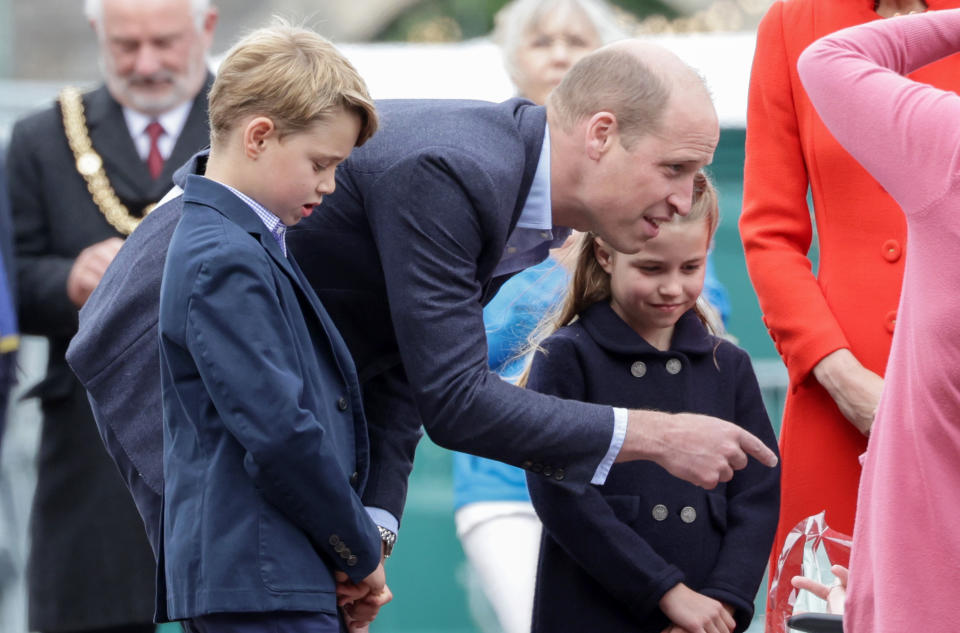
[{"x": 404, "y": 48}]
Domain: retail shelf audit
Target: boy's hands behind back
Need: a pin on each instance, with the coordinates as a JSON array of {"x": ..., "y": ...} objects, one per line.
[{"x": 361, "y": 602}]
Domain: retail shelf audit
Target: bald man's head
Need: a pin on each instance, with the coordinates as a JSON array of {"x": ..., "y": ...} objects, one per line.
[{"x": 633, "y": 80}]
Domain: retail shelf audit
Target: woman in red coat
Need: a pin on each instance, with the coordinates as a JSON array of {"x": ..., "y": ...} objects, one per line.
[{"x": 834, "y": 329}]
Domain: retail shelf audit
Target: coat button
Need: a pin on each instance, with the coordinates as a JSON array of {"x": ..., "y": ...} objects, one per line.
[
  {"x": 674, "y": 366},
  {"x": 342, "y": 403},
  {"x": 548, "y": 471},
  {"x": 340, "y": 548},
  {"x": 638, "y": 369},
  {"x": 558, "y": 474},
  {"x": 688, "y": 514},
  {"x": 334, "y": 540},
  {"x": 890, "y": 321},
  {"x": 354, "y": 477},
  {"x": 891, "y": 250},
  {"x": 537, "y": 468},
  {"x": 352, "y": 561},
  {"x": 660, "y": 512},
  {"x": 527, "y": 465}
]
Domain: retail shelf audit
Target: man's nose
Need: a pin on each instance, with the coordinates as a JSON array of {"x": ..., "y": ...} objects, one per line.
[
  {"x": 681, "y": 198},
  {"x": 147, "y": 61}
]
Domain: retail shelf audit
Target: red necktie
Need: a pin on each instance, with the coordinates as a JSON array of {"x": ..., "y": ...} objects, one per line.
[{"x": 154, "y": 159}]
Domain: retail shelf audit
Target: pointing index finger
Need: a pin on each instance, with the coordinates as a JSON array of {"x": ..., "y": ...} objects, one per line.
[{"x": 752, "y": 445}]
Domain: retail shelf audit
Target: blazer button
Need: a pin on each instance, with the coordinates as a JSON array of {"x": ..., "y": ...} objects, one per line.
[
  {"x": 891, "y": 250},
  {"x": 342, "y": 403},
  {"x": 638, "y": 369},
  {"x": 334, "y": 540},
  {"x": 527, "y": 465},
  {"x": 660, "y": 512},
  {"x": 890, "y": 321},
  {"x": 674, "y": 366},
  {"x": 537, "y": 468},
  {"x": 558, "y": 474},
  {"x": 354, "y": 477},
  {"x": 688, "y": 515},
  {"x": 352, "y": 561},
  {"x": 548, "y": 471},
  {"x": 340, "y": 548}
]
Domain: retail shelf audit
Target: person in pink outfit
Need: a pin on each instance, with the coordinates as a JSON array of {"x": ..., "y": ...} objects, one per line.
[{"x": 905, "y": 564}]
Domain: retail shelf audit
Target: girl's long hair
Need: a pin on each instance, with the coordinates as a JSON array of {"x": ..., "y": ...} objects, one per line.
[{"x": 590, "y": 283}]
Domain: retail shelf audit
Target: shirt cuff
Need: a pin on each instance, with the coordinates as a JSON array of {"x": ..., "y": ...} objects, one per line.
[
  {"x": 616, "y": 443},
  {"x": 386, "y": 520}
]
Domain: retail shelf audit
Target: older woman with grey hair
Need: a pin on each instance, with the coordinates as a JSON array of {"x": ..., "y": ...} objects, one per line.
[{"x": 542, "y": 39}]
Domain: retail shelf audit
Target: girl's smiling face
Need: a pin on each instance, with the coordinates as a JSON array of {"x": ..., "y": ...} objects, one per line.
[{"x": 650, "y": 290}]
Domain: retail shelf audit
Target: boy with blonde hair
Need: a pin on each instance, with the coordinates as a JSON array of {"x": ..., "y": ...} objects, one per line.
[{"x": 265, "y": 442}]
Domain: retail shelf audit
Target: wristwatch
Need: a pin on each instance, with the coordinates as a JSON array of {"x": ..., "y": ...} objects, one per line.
[{"x": 389, "y": 539}]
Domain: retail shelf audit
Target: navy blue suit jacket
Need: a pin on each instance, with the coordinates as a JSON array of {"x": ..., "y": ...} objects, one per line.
[
  {"x": 609, "y": 553},
  {"x": 265, "y": 444},
  {"x": 402, "y": 256}
]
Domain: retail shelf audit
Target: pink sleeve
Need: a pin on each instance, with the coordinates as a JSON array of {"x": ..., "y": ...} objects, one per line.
[{"x": 906, "y": 134}]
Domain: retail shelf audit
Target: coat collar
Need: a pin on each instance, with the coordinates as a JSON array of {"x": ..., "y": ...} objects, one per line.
[
  {"x": 205, "y": 192},
  {"x": 610, "y": 332}
]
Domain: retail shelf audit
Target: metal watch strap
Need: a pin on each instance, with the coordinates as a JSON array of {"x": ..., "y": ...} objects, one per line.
[{"x": 389, "y": 539}]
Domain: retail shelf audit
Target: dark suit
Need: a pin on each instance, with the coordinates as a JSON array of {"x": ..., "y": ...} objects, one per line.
[
  {"x": 402, "y": 256},
  {"x": 265, "y": 444},
  {"x": 90, "y": 565},
  {"x": 609, "y": 553}
]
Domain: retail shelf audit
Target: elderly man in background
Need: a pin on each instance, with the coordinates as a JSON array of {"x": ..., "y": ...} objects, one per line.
[{"x": 82, "y": 174}]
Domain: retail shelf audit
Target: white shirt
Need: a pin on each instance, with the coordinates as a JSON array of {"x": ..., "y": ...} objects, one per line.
[{"x": 172, "y": 122}]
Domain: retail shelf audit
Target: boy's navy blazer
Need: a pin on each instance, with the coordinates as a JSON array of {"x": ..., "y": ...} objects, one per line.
[
  {"x": 402, "y": 255},
  {"x": 265, "y": 444}
]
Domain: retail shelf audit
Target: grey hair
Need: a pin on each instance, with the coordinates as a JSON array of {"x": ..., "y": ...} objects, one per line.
[
  {"x": 93, "y": 10},
  {"x": 517, "y": 17}
]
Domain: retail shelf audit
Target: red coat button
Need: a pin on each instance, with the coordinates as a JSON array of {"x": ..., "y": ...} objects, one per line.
[
  {"x": 891, "y": 250},
  {"x": 890, "y": 321}
]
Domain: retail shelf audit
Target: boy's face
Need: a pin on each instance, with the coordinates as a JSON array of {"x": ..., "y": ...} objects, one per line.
[{"x": 294, "y": 173}]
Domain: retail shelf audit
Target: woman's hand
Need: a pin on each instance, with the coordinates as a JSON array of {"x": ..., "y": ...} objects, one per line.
[{"x": 854, "y": 388}]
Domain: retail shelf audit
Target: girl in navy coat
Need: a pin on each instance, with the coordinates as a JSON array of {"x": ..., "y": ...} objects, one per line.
[{"x": 647, "y": 551}]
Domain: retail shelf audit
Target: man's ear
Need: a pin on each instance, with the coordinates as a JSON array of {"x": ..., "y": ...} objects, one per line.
[
  {"x": 255, "y": 135},
  {"x": 604, "y": 255},
  {"x": 602, "y": 131}
]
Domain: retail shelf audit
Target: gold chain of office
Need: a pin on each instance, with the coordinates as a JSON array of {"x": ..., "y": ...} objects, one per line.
[{"x": 90, "y": 165}]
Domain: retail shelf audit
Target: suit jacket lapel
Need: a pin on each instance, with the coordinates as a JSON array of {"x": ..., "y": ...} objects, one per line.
[{"x": 111, "y": 139}]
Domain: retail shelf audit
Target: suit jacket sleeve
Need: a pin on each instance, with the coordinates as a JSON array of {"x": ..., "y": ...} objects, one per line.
[
  {"x": 582, "y": 522},
  {"x": 427, "y": 214},
  {"x": 287, "y": 454},
  {"x": 42, "y": 275},
  {"x": 753, "y": 504},
  {"x": 775, "y": 224}
]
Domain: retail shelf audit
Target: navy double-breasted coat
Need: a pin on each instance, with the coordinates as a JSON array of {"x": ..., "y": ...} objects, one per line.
[{"x": 609, "y": 553}]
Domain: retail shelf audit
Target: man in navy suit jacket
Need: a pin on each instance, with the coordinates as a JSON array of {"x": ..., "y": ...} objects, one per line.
[{"x": 429, "y": 218}]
